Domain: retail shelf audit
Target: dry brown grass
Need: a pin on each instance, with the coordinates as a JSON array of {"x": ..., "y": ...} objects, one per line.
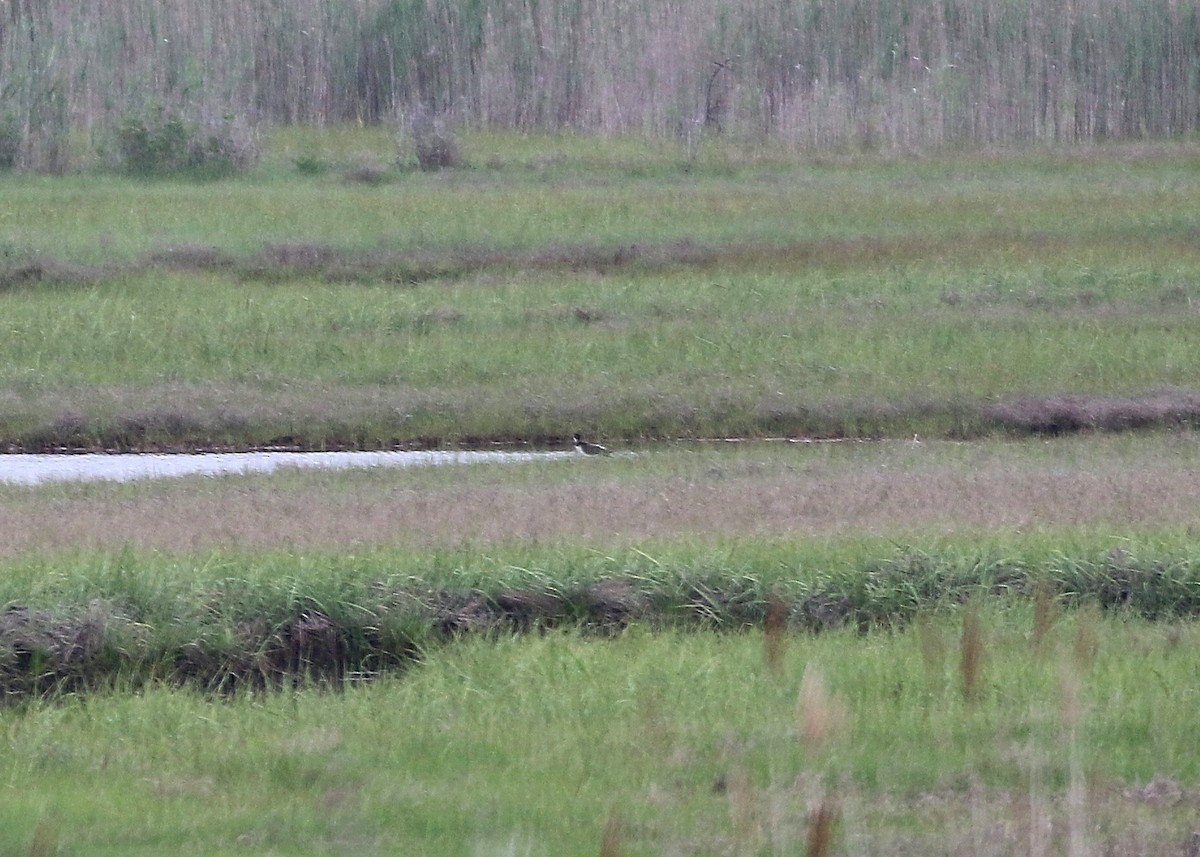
[
  {"x": 608, "y": 502},
  {"x": 972, "y": 656},
  {"x": 796, "y": 817},
  {"x": 611, "y": 838},
  {"x": 1045, "y": 611},
  {"x": 822, "y": 825},
  {"x": 775, "y": 634},
  {"x": 1120, "y": 822},
  {"x": 822, "y": 715}
]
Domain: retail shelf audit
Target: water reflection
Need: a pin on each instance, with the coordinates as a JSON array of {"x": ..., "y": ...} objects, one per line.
[{"x": 36, "y": 469}]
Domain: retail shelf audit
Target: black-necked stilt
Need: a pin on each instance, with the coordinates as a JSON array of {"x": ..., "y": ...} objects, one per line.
[{"x": 590, "y": 448}]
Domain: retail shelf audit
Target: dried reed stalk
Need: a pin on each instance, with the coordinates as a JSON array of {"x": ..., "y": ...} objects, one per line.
[
  {"x": 744, "y": 811},
  {"x": 933, "y": 653},
  {"x": 972, "y": 651},
  {"x": 1044, "y": 614},
  {"x": 1087, "y": 640},
  {"x": 822, "y": 716},
  {"x": 775, "y": 634},
  {"x": 1071, "y": 713},
  {"x": 822, "y": 824},
  {"x": 613, "y": 837}
]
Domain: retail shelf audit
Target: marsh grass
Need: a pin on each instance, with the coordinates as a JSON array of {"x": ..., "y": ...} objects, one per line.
[
  {"x": 1111, "y": 486},
  {"x": 641, "y": 744},
  {"x": 1025, "y": 294},
  {"x": 368, "y": 641},
  {"x": 228, "y": 621}
]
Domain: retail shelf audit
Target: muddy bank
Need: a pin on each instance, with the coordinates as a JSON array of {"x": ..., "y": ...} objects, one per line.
[{"x": 185, "y": 427}]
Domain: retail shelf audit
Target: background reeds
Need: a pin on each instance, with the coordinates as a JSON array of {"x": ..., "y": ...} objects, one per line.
[{"x": 846, "y": 74}]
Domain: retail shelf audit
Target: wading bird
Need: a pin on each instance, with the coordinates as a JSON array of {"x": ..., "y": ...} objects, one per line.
[{"x": 590, "y": 448}]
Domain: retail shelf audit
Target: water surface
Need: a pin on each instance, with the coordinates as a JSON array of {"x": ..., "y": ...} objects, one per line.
[{"x": 36, "y": 469}]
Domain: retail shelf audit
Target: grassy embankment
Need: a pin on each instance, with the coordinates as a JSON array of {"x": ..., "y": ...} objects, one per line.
[{"x": 602, "y": 289}]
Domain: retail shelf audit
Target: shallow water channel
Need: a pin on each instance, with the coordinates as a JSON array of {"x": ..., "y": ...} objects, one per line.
[{"x": 36, "y": 469}]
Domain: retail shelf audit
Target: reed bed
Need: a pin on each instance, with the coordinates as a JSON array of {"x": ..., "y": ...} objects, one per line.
[{"x": 857, "y": 74}]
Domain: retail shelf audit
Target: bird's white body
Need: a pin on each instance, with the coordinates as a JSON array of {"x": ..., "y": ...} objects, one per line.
[{"x": 586, "y": 448}]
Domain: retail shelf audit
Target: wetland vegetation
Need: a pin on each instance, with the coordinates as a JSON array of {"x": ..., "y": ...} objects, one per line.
[
  {"x": 939, "y": 268},
  {"x": 957, "y": 296},
  {"x": 1019, "y": 312}
]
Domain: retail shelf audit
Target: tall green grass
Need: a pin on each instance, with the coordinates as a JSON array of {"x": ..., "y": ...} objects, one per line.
[
  {"x": 227, "y": 621},
  {"x": 534, "y": 745}
]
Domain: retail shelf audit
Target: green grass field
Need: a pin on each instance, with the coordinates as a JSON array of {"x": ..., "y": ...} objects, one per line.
[
  {"x": 979, "y": 641},
  {"x": 517, "y": 302},
  {"x": 649, "y": 744}
]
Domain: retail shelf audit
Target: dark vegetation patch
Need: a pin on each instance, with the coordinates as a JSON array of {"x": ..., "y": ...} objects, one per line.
[
  {"x": 430, "y": 320},
  {"x": 1055, "y": 415},
  {"x": 227, "y": 646},
  {"x": 159, "y": 142},
  {"x": 588, "y": 315},
  {"x": 278, "y": 261},
  {"x": 366, "y": 173},
  {"x": 167, "y": 429},
  {"x": 434, "y": 144},
  {"x": 1029, "y": 299},
  {"x": 281, "y": 260},
  {"x": 192, "y": 423},
  {"x": 43, "y": 272},
  {"x": 192, "y": 257}
]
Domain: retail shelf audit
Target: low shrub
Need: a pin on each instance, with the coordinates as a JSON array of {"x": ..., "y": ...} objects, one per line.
[
  {"x": 161, "y": 142},
  {"x": 431, "y": 141},
  {"x": 311, "y": 165},
  {"x": 10, "y": 141}
]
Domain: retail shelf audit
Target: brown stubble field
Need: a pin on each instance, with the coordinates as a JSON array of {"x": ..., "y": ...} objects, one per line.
[{"x": 768, "y": 489}]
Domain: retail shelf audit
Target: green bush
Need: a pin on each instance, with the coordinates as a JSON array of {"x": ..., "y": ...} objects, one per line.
[
  {"x": 160, "y": 143},
  {"x": 10, "y": 141},
  {"x": 431, "y": 141},
  {"x": 311, "y": 165}
]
